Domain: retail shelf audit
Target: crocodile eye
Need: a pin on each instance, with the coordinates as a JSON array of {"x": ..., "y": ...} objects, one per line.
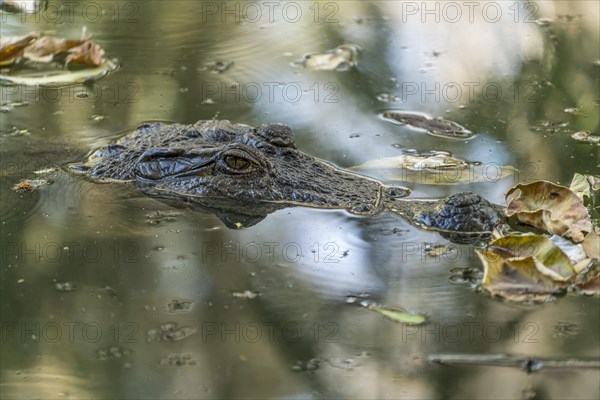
[{"x": 237, "y": 163}]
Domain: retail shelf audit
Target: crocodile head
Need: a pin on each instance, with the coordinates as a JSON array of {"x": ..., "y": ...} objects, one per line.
[{"x": 232, "y": 167}]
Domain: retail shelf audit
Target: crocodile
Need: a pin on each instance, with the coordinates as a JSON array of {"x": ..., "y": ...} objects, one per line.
[{"x": 243, "y": 173}]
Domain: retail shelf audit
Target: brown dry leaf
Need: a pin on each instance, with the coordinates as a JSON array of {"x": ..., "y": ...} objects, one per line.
[
  {"x": 549, "y": 206},
  {"x": 86, "y": 53},
  {"x": 591, "y": 245},
  {"x": 46, "y": 47},
  {"x": 516, "y": 279},
  {"x": 12, "y": 47},
  {"x": 38, "y": 48},
  {"x": 591, "y": 287}
]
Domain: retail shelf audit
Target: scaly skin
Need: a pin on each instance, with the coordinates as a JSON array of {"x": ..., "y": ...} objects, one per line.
[{"x": 253, "y": 171}]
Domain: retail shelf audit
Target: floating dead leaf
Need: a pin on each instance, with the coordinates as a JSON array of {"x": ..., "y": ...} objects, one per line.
[
  {"x": 13, "y": 47},
  {"x": 87, "y": 53},
  {"x": 434, "y": 126},
  {"x": 398, "y": 314},
  {"x": 47, "y": 47},
  {"x": 583, "y": 136},
  {"x": 549, "y": 206},
  {"x": 433, "y": 168},
  {"x": 217, "y": 66},
  {"x": 548, "y": 258},
  {"x": 29, "y": 185},
  {"x": 342, "y": 58},
  {"x": 516, "y": 279},
  {"x": 56, "y": 53}
]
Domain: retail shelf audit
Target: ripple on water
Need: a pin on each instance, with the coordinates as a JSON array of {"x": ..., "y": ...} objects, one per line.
[{"x": 49, "y": 381}]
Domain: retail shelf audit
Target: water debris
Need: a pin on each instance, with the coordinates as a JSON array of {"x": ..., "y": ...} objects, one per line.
[
  {"x": 178, "y": 306},
  {"x": 434, "y": 168},
  {"x": 246, "y": 294},
  {"x": 544, "y": 21},
  {"x": 584, "y": 136},
  {"x": 434, "y": 126},
  {"x": 179, "y": 360},
  {"x": 468, "y": 275},
  {"x": 217, "y": 67},
  {"x": 563, "y": 328},
  {"x": 438, "y": 250},
  {"x": 342, "y": 58},
  {"x": 158, "y": 217},
  {"x": 169, "y": 332},
  {"x": 46, "y": 60},
  {"x": 388, "y": 98},
  {"x": 29, "y": 185},
  {"x": 525, "y": 363},
  {"x": 311, "y": 365},
  {"x": 7, "y": 106},
  {"x": 64, "y": 286},
  {"x": 551, "y": 207},
  {"x": 112, "y": 352},
  {"x": 14, "y": 131},
  {"x": 571, "y": 110}
]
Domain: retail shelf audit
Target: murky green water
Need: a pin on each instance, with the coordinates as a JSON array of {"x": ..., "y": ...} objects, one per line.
[{"x": 106, "y": 293}]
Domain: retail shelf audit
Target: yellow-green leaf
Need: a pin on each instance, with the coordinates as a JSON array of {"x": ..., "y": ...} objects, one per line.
[
  {"x": 548, "y": 258},
  {"x": 516, "y": 279},
  {"x": 398, "y": 314}
]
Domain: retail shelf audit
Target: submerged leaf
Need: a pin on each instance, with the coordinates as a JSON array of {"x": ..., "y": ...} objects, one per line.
[
  {"x": 59, "y": 77},
  {"x": 434, "y": 126},
  {"x": 549, "y": 206},
  {"x": 433, "y": 168},
  {"x": 546, "y": 256},
  {"x": 516, "y": 279},
  {"x": 398, "y": 314},
  {"x": 433, "y": 161}
]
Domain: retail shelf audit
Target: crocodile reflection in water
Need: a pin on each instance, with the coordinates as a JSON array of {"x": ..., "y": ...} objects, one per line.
[{"x": 242, "y": 173}]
